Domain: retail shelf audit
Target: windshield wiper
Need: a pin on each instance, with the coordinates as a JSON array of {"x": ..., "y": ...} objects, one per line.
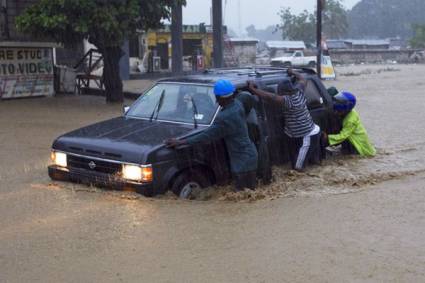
[
  {"x": 195, "y": 112},
  {"x": 158, "y": 106}
]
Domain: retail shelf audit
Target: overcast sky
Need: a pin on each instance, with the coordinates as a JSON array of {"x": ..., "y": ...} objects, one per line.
[{"x": 261, "y": 13}]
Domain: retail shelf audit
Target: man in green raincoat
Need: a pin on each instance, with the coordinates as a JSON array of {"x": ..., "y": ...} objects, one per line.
[{"x": 353, "y": 136}]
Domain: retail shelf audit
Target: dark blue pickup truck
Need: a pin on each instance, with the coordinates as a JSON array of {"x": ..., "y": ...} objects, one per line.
[{"x": 128, "y": 152}]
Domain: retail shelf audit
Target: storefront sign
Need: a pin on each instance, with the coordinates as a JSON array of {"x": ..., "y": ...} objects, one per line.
[
  {"x": 328, "y": 71},
  {"x": 26, "y": 71}
]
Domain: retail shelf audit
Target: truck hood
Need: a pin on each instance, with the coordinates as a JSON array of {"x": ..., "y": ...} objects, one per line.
[{"x": 122, "y": 139}]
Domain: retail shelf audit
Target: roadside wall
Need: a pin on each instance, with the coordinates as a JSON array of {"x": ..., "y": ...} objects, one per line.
[
  {"x": 371, "y": 56},
  {"x": 246, "y": 54}
]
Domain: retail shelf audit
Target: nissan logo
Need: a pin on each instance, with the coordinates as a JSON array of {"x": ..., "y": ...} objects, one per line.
[{"x": 92, "y": 165}]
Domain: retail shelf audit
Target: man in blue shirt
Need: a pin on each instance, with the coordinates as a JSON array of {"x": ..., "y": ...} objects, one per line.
[{"x": 230, "y": 125}]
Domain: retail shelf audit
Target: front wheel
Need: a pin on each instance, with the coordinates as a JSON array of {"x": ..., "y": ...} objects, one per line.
[
  {"x": 189, "y": 182},
  {"x": 312, "y": 64}
]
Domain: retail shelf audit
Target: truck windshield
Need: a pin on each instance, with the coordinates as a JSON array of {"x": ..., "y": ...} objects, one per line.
[{"x": 177, "y": 102}]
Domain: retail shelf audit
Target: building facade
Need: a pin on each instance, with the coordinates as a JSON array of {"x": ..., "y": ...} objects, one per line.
[
  {"x": 240, "y": 52},
  {"x": 197, "y": 41}
]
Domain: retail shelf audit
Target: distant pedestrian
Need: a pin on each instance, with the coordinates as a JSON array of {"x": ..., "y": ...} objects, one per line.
[
  {"x": 230, "y": 125},
  {"x": 353, "y": 136},
  {"x": 303, "y": 134}
]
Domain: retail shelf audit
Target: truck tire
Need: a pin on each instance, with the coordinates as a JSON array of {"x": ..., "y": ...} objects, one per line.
[
  {"x": 145, "y": 192},
  {"x": 188, "y": 181},
  {"x": 312, "y": 64},
  {"x": 287, "y": 65}
]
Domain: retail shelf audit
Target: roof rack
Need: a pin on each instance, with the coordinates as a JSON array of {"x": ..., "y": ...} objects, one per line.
[
  {"x": 255, "y": 69},
  {"x": 244, "y": 70},
  {"x": 226, "y": 70},
  {"x": 260, "y": 73},
  {"x": 303, "y": 69}
]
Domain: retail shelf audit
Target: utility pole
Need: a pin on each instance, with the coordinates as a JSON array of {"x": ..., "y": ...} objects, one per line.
[
  {"x": 218, "y": 44},
  {"x": 3, "y": 10},
  {"x": 177, "y": 38},
  {"x": 320, "y": 4}
]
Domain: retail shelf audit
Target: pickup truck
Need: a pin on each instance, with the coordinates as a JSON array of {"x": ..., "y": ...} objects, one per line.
[
  {"x": 296, "y": 59},
  {"x": 128, "y": 152}
]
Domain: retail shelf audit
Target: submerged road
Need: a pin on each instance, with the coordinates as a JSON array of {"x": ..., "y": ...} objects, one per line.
[{"x": 371, "y": 236}]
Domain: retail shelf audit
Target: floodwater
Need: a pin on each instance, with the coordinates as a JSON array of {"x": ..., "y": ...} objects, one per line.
[{"x": 351, "y": 220}]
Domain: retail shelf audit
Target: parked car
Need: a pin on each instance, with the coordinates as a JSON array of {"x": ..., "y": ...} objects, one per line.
[
  {"x": 128, "y": 152},
  {"x": 294, "y": 59}
]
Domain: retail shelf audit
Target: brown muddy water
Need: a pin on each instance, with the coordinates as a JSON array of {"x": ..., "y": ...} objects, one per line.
[{"x": 350, "y": 220}]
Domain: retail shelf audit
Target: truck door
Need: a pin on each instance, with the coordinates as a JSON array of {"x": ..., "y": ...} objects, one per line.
[
  {"x": 316, "y": 104},
  {"x": 274, "y": 122}
]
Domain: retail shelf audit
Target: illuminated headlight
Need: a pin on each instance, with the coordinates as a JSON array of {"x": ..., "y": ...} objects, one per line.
[
  {"x": 59, "y": 159},
  {"x": 137, "y": 173}
]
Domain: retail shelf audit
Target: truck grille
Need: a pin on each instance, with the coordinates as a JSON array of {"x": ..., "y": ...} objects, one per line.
[{"x": 93, "y": 165}]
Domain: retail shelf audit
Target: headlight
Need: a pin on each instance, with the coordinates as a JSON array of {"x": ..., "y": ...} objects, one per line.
[
  {"x": 59, "y": 159},
  {"x": 137, "y": 173}
]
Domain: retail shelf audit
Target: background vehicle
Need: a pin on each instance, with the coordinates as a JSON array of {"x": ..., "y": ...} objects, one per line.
[
  {"x": 296, "y": 59},
  {"x": 129, "y": 151}
]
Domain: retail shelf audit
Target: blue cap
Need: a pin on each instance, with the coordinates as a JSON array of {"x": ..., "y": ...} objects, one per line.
[
  {"x": 344, "y": 101},
  {"x": 224, "y": 88}
]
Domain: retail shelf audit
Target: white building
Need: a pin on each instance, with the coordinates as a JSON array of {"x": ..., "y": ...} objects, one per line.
[{"x": 241, "y": 51}]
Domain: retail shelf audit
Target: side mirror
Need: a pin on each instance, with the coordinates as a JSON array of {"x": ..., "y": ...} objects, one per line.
[{"x": 125, "y": 109}]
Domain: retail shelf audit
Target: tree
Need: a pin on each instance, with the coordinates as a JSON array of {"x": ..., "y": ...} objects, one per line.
[
  {"x": 298, "y": 27},
  {"x": 303, "y": 26},
  {"x": 104, "y": 23},
  {"x": 251, "y": 31},
  {"x": 385, "y": 18},
  {"x": 418, "y": 40},
  {"x": 335, "y": 20},
  {"x": 269, "y": 33}
]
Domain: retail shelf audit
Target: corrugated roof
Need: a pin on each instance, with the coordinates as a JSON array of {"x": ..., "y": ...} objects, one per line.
[
  {"x": 29, "y": 44},
  {"x": 336, "y": 44},
  {"x": 368, "y": 41},
  {"x": 282, "y": 44},
  {"x": 243, "y": 39}
]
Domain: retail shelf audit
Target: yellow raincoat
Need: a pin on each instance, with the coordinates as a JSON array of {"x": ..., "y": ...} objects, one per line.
[{"x": 355, "y": 132}]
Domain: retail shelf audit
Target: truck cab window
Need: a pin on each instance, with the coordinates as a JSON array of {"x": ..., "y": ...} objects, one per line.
[
  {"x": 312, "y": 94},
  {"x": 271, "y": 88}
]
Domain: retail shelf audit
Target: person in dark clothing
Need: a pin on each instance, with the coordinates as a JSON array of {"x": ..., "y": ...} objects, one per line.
[
  {"x": 303, "y": 134},
  {"x": 230, "y": 125}
]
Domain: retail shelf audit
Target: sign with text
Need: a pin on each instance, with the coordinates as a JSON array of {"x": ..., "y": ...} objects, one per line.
[
  {"x": 328, "y": 71},
  {"x": 26, "y": 72}
]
